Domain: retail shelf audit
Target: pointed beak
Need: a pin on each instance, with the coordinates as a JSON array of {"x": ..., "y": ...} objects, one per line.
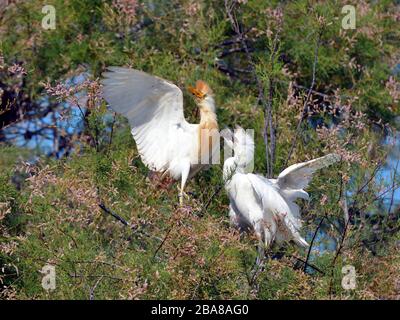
[{"x": 197, "y": 93}]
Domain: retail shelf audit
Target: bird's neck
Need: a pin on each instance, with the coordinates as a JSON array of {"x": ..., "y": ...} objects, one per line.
[
  {"x": 229, "y": 169},
  {"x": 208, "y": 118},
  {"x": 208, "y": 129}
]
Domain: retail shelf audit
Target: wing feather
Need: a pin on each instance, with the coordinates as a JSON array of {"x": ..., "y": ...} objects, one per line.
[
  {"x": 299, "y": 175},
  {"x": 154, "y": 109},
  {"x": 286, "y": 213}
]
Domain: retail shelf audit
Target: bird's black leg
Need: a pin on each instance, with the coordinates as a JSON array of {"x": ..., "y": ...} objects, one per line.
[
  {"x": 259, "y": 263},
  {"x": 260, "y": 255}
]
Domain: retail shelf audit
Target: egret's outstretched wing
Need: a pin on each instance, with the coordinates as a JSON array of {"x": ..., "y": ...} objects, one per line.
[
  {"x": 299, "y": 175},
  {"x": 286, "y": 214},
  {"x": 154, "y": 108}
]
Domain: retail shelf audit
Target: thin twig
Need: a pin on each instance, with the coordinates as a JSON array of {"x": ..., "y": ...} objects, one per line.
[
  {"x": 304, "y": 111},
  {"x": 393, "y": 184},
  {"x": 116, "y": 216},
  {"x": 230, "y": 51},
  {"x": 97, "y": 276},
  {"x": 68, "y": 235},
  {"x": 113, "y": 265},
  {"x": 379, "y": 196},
  {"x": 377, "y": 167},
  {"x": 343, "y": 237},
  {"x": 163, "y": 241},
  {"x": 308, "y": 264},
  {"x": 126, "y": 223},
  {"x": 91, "y": 290},
  {"x": 205, "y": 207},
  {"x": 268, "y": 120},
  {"x": 311, "y": 243},
  {"x": 267, "y": 105}
]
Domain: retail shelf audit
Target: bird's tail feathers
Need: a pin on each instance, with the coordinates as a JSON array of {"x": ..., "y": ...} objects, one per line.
[
  {"x": 293, "y": 224},
  {"x": 301, "y": 242}
]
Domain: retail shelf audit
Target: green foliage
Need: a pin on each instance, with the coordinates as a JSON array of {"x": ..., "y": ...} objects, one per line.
[{"x": 173, "y": 252}]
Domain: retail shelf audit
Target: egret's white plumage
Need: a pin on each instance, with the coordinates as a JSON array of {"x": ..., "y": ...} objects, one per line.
[
  {"x": 267, "y": 206},
  {"x": 154, "y": 107}
]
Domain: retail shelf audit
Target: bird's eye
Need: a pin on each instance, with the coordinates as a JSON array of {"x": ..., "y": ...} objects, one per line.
[{"x": 197, "y": 93}]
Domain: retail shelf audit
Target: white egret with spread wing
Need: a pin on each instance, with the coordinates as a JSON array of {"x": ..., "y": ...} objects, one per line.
[
  {"x": 267, "y": 206},
  {"x": 166, "y": 142}
]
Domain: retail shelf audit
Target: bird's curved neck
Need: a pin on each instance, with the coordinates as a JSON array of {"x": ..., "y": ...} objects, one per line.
[
  {"x": 207, "y": 116},
  {"x": 207, "y": 110},
  {"x": 208, "y": 129},
  {"x": 229, "y": 169}
]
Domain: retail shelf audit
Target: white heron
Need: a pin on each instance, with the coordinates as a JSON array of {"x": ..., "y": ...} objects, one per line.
[
  {"x": 166, "y": 142},
  {"x": 266, "y": 206}
]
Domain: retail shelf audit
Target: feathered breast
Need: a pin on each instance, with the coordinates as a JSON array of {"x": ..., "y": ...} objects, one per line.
[{"x": 208, "y": 135}]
